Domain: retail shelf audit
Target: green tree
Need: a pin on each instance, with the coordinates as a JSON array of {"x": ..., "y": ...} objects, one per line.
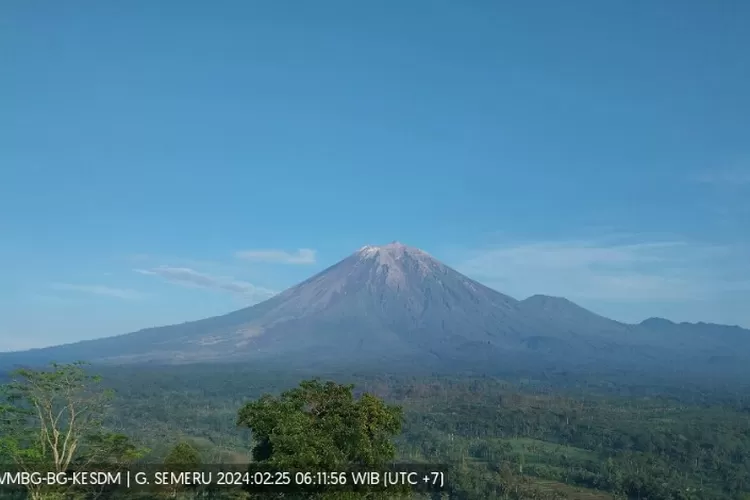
[
  {"x": 52, "y": 421},
  {"x": 320, "y": 426},
  {"x": 183, "y": 457}
]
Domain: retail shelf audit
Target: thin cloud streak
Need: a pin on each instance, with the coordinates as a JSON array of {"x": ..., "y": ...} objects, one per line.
[
  {"x": 120, "y": 293},
  {"x": 736, "y": 177},
  {"x": 186, "y": 276},
  {"x": 595, "y": 270},
  {"x": 301, "y": 256}
]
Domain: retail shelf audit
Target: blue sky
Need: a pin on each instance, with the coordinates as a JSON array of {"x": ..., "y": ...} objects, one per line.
[{"x": 167, "y": 161}]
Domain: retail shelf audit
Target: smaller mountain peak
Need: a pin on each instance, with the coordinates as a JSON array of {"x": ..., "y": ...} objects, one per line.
[
  {"x": 552, "y": 303},
  {"x": 546, "y": 299},
  {"x": 656, "y": 322}
]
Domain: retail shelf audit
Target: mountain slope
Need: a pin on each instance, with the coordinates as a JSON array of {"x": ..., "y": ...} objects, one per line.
[{"x": 395, "y": 303}]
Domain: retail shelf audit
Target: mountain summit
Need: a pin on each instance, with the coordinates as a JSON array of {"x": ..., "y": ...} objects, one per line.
[{"x": 397, "y": 304}]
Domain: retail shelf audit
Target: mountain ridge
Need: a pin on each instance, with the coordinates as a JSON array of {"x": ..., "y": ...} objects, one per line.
[{"x": 397, "y": 303}]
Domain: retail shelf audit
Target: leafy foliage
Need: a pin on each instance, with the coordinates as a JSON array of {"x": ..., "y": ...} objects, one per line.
[
  {"x": 590, "y": 438},
  {"x": 321, "y": 425},
  {"x": 184, "y": 456},
  {"x": 52, "y": 420}
]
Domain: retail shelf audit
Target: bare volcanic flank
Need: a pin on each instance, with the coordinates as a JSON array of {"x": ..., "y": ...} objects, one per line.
[
  {"x": 386, "y": 300},
  {"x": 396, "y": 303},
  {"x": 381, "y": 302},
  {"x": 394, "y": 285}
]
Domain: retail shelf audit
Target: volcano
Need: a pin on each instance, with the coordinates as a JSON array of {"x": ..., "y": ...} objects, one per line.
[{"x": 396, "y": 304}]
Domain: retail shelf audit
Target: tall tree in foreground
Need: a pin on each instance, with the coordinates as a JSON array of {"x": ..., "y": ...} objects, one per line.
[
  {"x": 322, "y": 426},
  {"x": 52, "y": 421}
]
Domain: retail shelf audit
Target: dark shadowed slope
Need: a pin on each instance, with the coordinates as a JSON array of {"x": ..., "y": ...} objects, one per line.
[{"x": 396, "y": 303}]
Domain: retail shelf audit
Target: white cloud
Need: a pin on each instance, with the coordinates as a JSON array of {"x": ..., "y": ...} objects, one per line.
[
  {"x": 606, "y": 271},
  {"x": 120, "y": 293},
  {"x": 301, "y": 256},
  {"x": 732, "y": 177},
  {"x": 186, "y": 276}
]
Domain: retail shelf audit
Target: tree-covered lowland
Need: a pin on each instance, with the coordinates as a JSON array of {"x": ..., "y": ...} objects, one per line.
[
  {"x": 53, "y": 421},
  {"x": 506, "y": 436}
]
